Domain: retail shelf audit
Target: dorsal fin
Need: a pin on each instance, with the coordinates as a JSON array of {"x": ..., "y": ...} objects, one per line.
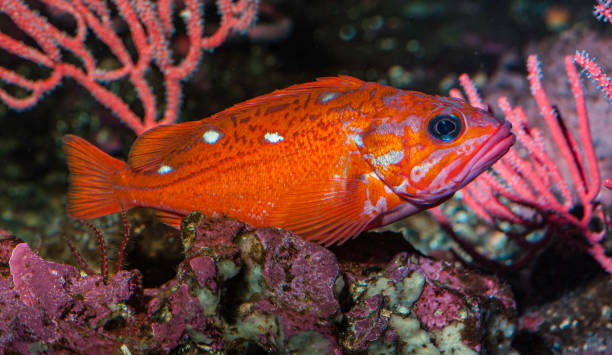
[
  {"x": 152, "y": 147},
  {"x": 341, "y": 83}
]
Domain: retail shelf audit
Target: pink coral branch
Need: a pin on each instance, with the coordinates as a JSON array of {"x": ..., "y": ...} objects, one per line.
[
  {"x": 584, "y": 132},
  {"x": 594, "y": 71},
  {"x": 150, "y": 26},
  {"x": 530, "y": 191},
  {"x": 603, "y": 10},
  {"x": 471, "y": 92},
  {"x": 551, "y": 118}
]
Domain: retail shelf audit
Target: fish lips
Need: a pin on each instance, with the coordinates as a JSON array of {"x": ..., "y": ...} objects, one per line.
[{"x": 499, "y": 143}]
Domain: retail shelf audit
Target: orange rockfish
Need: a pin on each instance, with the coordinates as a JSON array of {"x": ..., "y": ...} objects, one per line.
[{"x": 326, "y": 160}]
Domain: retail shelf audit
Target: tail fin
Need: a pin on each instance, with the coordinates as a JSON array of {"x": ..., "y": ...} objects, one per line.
[{"x": 92, "y": 174}]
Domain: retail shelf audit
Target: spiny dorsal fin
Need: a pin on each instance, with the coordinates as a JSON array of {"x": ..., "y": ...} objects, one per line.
[
  {"x": 341, "y": 83},
  {"x": 154, "y": 146}
]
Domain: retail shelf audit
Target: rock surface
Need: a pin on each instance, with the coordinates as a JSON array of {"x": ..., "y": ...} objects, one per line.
[
  {"x": 577, "y": 323},
  {"x": 240, "y": 289}
]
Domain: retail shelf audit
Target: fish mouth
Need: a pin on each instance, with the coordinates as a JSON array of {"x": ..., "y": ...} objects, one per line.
[{"x": 489, "y": 153}]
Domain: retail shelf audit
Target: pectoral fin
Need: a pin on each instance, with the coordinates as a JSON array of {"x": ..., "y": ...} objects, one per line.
[{"x": 326, "y": 212}]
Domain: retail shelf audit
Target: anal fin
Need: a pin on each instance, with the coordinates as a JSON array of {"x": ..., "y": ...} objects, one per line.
[{"x": 170, "y": 218}]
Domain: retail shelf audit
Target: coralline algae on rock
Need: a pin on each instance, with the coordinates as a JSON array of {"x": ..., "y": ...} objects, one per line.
[
  {"x": 51, "y": 307},
  {"x": 241, "y": 288},
  {"x": 284, "y": 294},
  {"x": 415, "y": 304},
  {"x": 261, "y": 286}
]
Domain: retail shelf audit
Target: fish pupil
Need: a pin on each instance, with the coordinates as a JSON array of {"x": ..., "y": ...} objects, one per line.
[{"x": 444, "y": 127}]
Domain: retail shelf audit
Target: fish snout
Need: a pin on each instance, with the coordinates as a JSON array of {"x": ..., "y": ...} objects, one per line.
[{"x": 496, "y": 147}]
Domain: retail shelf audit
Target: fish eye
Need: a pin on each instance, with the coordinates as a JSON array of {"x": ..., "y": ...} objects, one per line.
[{"x": 444, "y": 128}]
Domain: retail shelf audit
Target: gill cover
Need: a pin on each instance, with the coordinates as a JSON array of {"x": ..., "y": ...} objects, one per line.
[
  {"x": 384, "y": 151},
  {"x": 408, "y": 152}
]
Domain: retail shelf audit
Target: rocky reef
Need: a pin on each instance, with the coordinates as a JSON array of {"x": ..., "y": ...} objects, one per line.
[{"x": 241, "y": 289}]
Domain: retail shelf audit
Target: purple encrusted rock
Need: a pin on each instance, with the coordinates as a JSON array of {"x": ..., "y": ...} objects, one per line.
[
  {"x": 299, "y": 275},
  {"x": 62, "y": 292},
  {"x": 96, "y": 302},
  {"x": 239, "y": 286},
  {"x": 211, "y": 243},
  {"x": 53, "y": 308},
  {"x": 297, "y": 286},
  {"x": 200, "y": 234},
  {"x": 300, "y": 331},
  {"x": 179, "y": 315},
  {"x": 415, "y": 303},
  {"x": 278, "y": 281},
  {"x": 41, "y": 283},
  {"x": 184, "y": 311},
  {"x": 367, "y": 323},
  {"x": 205, "y": 271},
  {"x": 28, "y": 329},
  {"x": 438, "y": 308}
]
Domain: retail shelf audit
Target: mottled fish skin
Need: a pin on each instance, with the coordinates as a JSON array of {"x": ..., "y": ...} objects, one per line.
[{"x": 326, "y": 160}]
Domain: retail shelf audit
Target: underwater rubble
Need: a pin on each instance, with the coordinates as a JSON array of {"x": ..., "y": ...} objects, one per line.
[
  {"x": 241, "y": 289},
  {"x": 577, "y": 323}
]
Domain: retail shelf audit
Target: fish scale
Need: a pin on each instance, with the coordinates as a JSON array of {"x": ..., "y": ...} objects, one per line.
[{"x": 326, "y": 160}]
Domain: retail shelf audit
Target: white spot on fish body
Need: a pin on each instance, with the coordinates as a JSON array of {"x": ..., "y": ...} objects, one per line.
[
  {"x": 327, "y": 96},
  {"x": 274, "y": 137},
  {"x": 164, "y": 169},
  {"x": 211, "y": 136}
]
